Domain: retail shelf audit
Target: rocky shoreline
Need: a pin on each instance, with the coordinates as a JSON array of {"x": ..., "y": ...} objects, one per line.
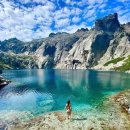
[
  {"x": 3, "y": 82},
  {"x": 113, "y": 114}
]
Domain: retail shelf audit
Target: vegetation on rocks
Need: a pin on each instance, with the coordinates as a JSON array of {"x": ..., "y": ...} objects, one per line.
[
  {"x": 114, "y": 61},
  {"x": 11, "y": 60},
  {"x": 4, "y": 66},
  {"x": 122, "y": 35},
  {"x": 125, "y": 66}
]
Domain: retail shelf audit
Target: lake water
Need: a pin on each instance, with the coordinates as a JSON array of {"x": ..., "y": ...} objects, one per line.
[{"x": 40, "y": 91}]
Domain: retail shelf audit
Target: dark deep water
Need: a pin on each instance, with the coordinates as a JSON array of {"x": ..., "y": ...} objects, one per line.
[{"x": 40, "y": 91}]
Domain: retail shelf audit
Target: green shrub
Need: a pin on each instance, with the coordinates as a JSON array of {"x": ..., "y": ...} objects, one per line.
[
  {"x": 25, "y": 57},
  {"x": 122, "y": 35}
]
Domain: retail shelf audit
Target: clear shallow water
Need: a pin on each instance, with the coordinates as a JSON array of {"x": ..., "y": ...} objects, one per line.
[{"x": 40, "y": 91}]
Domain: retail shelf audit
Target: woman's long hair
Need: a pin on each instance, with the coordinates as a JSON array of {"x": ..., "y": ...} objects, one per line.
[{"x": 68, "y": 102}]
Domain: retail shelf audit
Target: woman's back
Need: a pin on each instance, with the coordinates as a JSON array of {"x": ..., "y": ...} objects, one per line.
[{"x": 68, "y": 106}]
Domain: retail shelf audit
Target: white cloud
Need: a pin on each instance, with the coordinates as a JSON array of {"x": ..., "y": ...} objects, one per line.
[
  {"x": 73, "y": 2},
  {"x": 36, "y": 21},
  {"x": 62, "y": 13},
  {"x": 76, "y": 11},
  {"x": 19, "y": 22},
  {"x": 92, "y": 2},
  {"x": 124, "y": 18},
  {"x": 32, "y": 1},
  {"x": 60, "y": 23},
  {"x": 102, "y": 6},
  {"x": 68, "y": 1},
  {"x": 75, "y": 19},
  {"x": 90, "y": 13}
]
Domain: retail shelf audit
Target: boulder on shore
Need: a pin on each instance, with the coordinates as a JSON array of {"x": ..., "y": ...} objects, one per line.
[{"x": 3, "y": 82}]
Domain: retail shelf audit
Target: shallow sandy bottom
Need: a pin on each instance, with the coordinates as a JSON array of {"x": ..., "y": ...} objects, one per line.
[{"x": 111, "y": 115}]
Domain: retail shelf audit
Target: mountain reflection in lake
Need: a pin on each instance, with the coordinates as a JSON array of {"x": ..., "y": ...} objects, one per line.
[{"x": 41, "y": 91}]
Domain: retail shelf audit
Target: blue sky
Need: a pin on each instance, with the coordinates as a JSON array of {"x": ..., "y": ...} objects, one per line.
[{"x": 33, "y": 19}]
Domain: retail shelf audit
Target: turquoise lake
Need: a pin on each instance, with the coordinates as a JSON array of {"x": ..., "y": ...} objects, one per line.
[{"x": 40, "y": 91}]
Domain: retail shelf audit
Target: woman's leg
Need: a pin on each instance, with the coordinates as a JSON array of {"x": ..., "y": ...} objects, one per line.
[{"x": 68, "y": 115}]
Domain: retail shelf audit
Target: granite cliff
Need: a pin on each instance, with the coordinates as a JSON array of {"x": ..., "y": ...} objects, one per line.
[{"x": 106, "y": 46}]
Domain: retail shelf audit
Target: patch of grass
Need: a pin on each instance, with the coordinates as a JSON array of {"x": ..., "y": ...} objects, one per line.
[
  {"x": 125, "y": 66},
  {"x": 20, "y": 57},
  {"x": 4, "y": 66},
  {"x": 25, "y": 57},
  {"x": 114, "y": 61}
]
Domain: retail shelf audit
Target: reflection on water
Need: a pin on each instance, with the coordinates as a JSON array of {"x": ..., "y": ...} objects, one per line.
[{"x": 40, "y": 91}]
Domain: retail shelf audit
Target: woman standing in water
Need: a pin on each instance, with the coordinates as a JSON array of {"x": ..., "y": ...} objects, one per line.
[{"x": 68, "y": 109}]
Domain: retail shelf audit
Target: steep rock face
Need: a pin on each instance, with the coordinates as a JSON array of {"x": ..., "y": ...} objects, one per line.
[
  {"x": 126, "y": 27},
  {"x": 83, "y": 49},
  {"x": 88, "y": 50},
  {"x": 109, "y": 23},
  {"x": 55, "y": 48},
  {"x": 119, "y": 47},
  {"x": 42, "y": 53}
]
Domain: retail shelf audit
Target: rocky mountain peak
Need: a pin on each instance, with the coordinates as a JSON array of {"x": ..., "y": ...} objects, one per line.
[
  {"x": 82, "y": 29},
  {"x": 15, "y": 40},
  {"x": 109, "y": 23},
  {"x": 56, "y": 34},
  {"x": 126, "y": 27},
  {"x": 52, "y": 34}
]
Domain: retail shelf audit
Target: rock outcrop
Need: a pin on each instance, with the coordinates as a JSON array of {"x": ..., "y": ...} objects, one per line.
[
  {"x": 109, "y": 23},
  {"x": 3, "y": 82},
  {"x": 107, "y": 40},
  {"x": 84, "y": 49}
]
